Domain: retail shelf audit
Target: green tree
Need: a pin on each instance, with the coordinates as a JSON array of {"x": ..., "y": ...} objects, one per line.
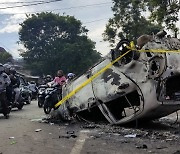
[
  {"x": 165, "y": 11},
  {"x": 55, "y": 42},
  {"x": 5, "y": 57},
  {"x": 128, "y": 21}
]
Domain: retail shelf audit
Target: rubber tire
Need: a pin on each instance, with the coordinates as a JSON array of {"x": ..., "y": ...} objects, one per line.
[
  {"x": 130, "y": 55},
  {"x": 29, "y": 100},
  {"x": 6, "y": 116},
  {"x": 40, "y": 103},
  {"x": 46, "y": 108},
  {"x": 20, "y": 106}
]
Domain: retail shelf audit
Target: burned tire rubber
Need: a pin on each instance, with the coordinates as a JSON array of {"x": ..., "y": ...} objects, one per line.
[{"x": 120, "y": 49}]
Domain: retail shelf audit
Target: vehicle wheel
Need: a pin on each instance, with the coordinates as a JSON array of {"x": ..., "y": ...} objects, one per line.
[
  {"x": 47, "y": 108},
  {"x": 120, "y": 49},
  {"x": 6, "y": 116},
  {"x": 40, "y": 102},
  {"x": 20, "y": 105},
  {"x": 28, "y": 100}
]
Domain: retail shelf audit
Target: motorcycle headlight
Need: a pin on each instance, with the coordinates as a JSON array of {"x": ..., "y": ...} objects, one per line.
[{"x": 40, "y": 92}]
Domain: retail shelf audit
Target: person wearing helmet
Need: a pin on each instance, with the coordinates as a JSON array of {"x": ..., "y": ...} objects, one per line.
[
  {"x": 9, "y": 87},
  {"x": 60, "y": 79},
  {"x": 33, "y": 88},
  {"x": 7, "y": 68},
  {"x": 48, "y": 78},
  {"x": 70, "y": 76},
  {"x": 4, "y": 82},
  {"x": 15, "y": 83}
]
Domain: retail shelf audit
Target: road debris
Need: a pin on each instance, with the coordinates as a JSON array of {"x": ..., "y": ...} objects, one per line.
[
  {"x": 69, "y": 134},
  {"x": 38, "y": 130},
  {"x": 144, "y": 146},
  {"x": 130, "y": 136},
  {"x": 12, "y": 137},
  {"x": 89, "y": 126},
  {"x": 36, "y": 120},
  {"x": 41, "y": 120}
]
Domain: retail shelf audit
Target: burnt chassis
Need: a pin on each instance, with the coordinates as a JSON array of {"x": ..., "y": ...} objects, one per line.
[{"x": 142, "y": 85}]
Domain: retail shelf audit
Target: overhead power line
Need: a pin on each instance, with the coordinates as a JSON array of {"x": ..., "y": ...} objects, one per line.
[
  {"x": 88, "y": 22},
  {"x": 68, "y": 8},
  {"x": 82, "y": 6},
  {"x": 38, "y": 3},
  {"x": 21, "y": 2}
]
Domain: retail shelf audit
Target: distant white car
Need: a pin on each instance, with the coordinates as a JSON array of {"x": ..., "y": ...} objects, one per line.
[{"x": 142, "y": 85}]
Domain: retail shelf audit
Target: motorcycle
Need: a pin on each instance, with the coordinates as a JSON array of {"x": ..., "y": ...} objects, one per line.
[
  {"x": 20, "y": 102},
  {"x": 53, "y": 95},
  {"x": 41, "y": 95},
  {"x": 26, "y": 94},
  {"x": 6, "y": 114},
  {"x": 34, "y": 94},
  {"x": 33, "y": 88}
]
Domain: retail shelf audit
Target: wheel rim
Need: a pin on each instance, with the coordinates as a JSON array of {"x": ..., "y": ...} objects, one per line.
[
  {"x": 120, "y": 49},
  {"x": 40, "y": 103},
  {"x": 47, "y": 110},
  {"x": 29, "y": 99}
]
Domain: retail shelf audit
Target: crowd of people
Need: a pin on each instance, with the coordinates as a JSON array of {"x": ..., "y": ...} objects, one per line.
[
  {"x": 10, "y": 84},
  {"x": 60, "y": 79}
]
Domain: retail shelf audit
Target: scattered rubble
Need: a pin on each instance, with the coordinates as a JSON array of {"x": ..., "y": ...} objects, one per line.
[
  {"x": 69, "y": 134},
  {"x": 144, "y": 146}
]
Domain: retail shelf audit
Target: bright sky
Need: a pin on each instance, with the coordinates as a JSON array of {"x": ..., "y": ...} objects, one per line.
[{"x": 94, "y": 15}]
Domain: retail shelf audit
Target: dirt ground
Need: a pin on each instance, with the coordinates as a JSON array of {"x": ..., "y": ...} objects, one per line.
[{"x": 18, "y": 135}]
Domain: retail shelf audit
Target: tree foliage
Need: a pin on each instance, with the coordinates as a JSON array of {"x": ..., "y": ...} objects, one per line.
[
  {"x": 5, "y": 57},
  {"x": 130, "y": 22},
  {"x": 164, "y": 11},
  {"x": 55, "y": 42}
]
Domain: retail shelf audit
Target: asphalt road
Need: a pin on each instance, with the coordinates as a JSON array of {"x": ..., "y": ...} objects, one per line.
[{"x": 18, "y": 136}]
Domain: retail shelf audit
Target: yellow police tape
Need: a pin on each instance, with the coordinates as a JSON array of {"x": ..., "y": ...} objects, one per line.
[
  {"x": 89, "y": 80},
  {"x": 131, "y": 47},
  {"x": 158, "y": 50}
]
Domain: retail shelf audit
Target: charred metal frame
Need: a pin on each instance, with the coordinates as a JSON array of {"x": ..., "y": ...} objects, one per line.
[{"x": 142, "y": 85}]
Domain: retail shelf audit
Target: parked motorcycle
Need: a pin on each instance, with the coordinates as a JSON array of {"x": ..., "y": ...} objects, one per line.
[
  {"x": 6, "y": 114},
  {"x": 53, "y": 95},
  {"x": 41, "y": 95}
]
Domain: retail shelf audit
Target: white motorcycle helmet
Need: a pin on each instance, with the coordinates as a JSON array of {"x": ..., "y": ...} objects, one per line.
[{"x": 70, "y": 75}]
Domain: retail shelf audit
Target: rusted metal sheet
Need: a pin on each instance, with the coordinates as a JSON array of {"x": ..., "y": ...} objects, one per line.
[{"x": 142, "y": 85}]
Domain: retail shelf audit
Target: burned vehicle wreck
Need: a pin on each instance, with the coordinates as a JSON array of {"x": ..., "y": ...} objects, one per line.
[{"x": 142, "y": 85}]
